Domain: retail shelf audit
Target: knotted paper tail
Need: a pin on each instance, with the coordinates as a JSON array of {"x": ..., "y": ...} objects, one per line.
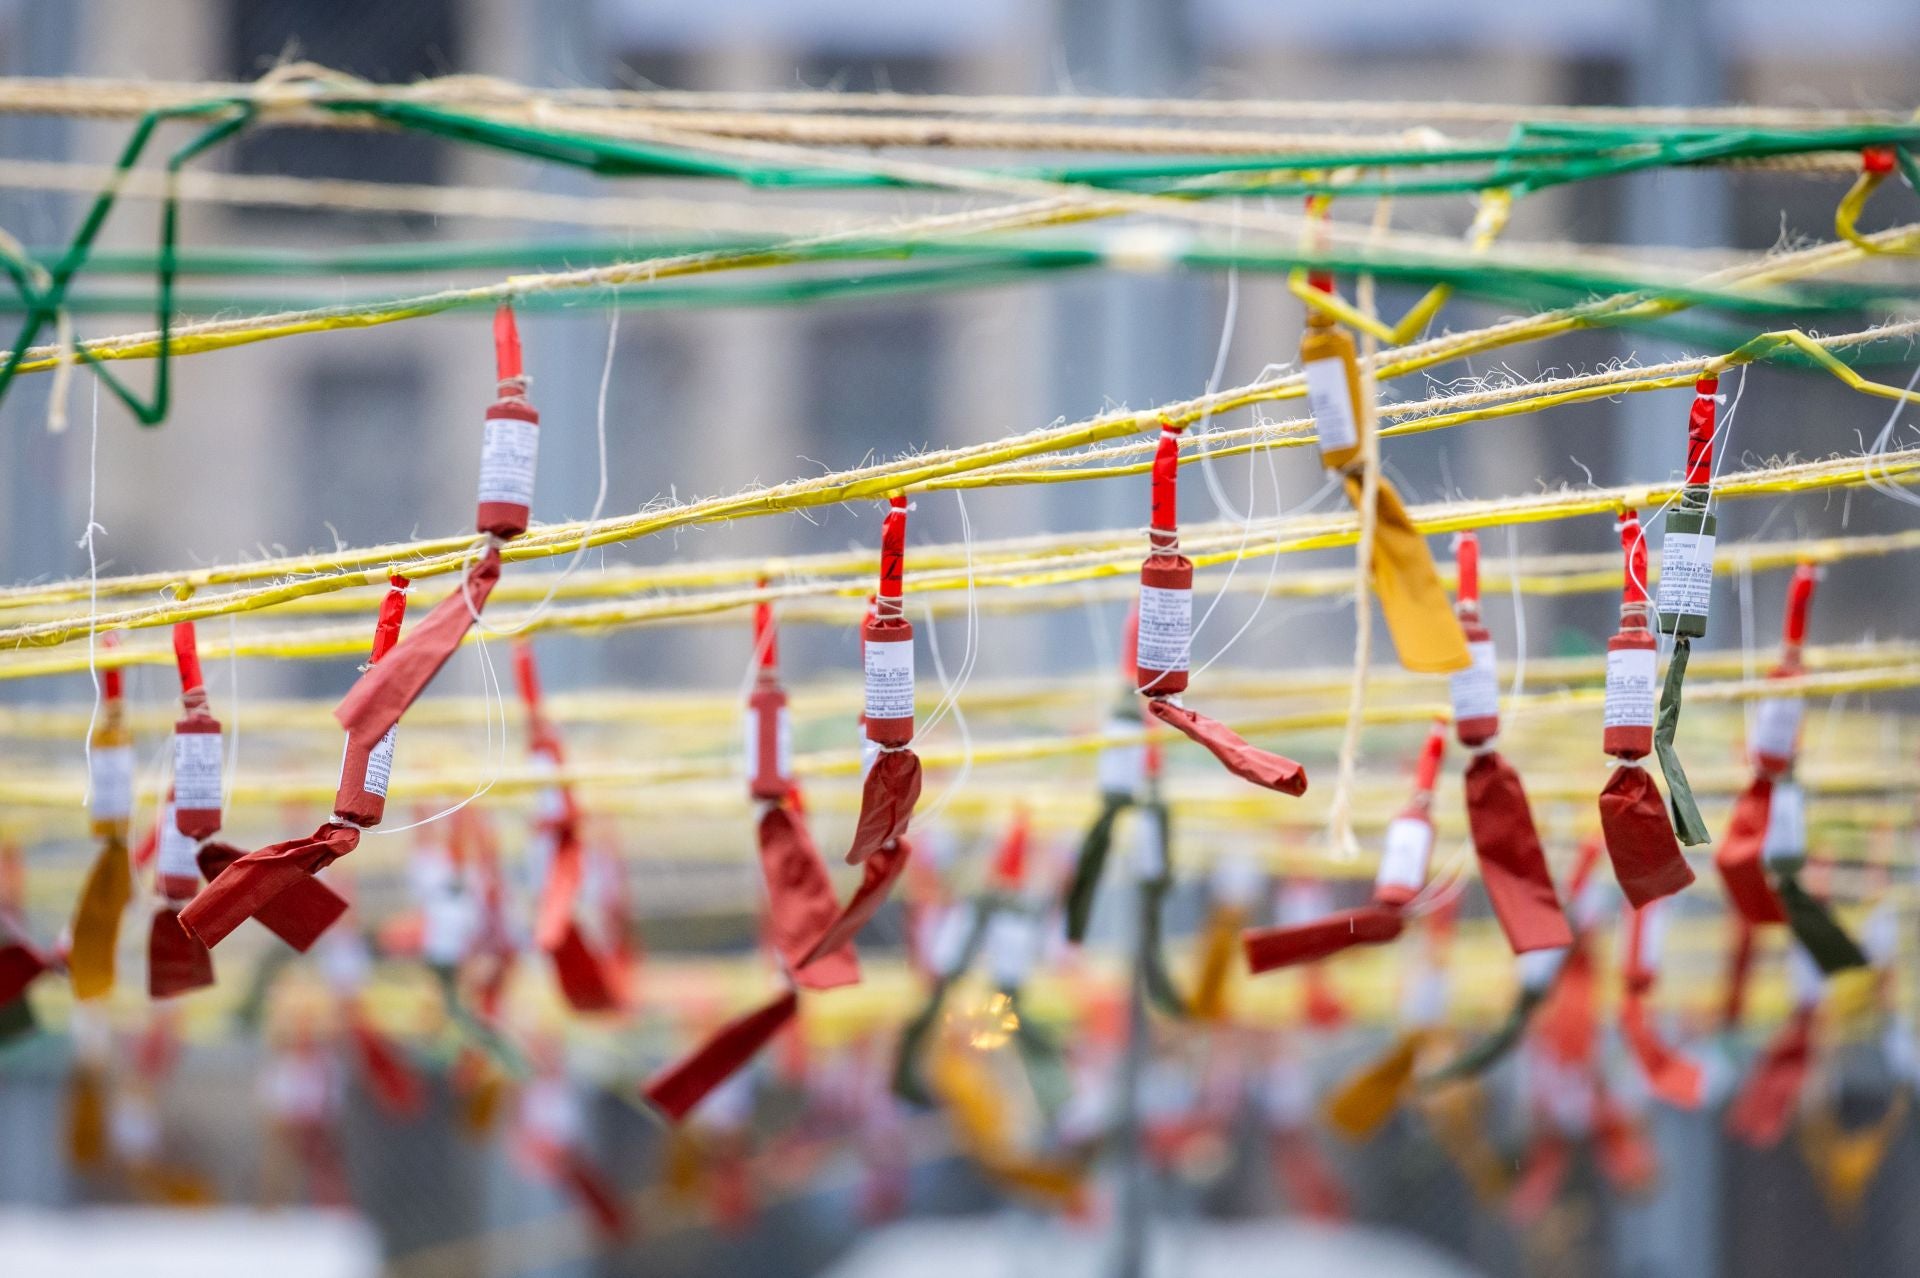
[
  {"x": 1268, "y": 948},
  {"x": 1742, "y": 868},
  {"x": 1263, "y": 768},
  {"x": 1419, "y": 615},
  {"x": 298, "y": 915},
  {"x": 1360, "y": 1105},
  {"x": 801, "y": 905},
  {"x": 96, "y": 920},
  {"x": 682, "y": 1085},
  {"x": 1670, "y": 1075},
  {"x": 886, "y": 803},
  {"x": 1760, "y": 1115},
  {"x": 1646, "y": 857},
  {"x": 391, "y": 684},
  {"x": 176, "y": 960},
  {"x": 882, "y": 870},
  {"x": 259, "y": 879},
  {"x": 1513, "y": 865},
  {"x": 1686, "y": 813}
]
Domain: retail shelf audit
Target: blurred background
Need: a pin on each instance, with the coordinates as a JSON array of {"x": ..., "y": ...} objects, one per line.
[{"x": 366, "y": 437}]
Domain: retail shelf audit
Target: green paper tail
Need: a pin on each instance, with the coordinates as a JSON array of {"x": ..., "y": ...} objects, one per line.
[
  {"x": 1686, "y": 813},
  {"x": 16, "y": 1021},
  {"x": 477, "y": 1032},
  {"x": 907, "y": 1083},
  {"x": 1158, "y": 981},
  {"x": 1816, "y": 928},
  {"x": 1491, "y": 1050},
  {"x": 1089, "y": 865}
]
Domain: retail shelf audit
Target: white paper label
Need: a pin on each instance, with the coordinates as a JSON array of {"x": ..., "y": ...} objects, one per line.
[
  {"x": 1629, "y": 688},
  {"x": 1786, "y": 824},
  {"x": 1686, "y": 574},
  {"x": 1166, "y": 628},
  {"x": 1653, "y": 936},
  {"x": 1539, "y": 967},
  {"x": 175, "y": 857},
  {"x": 1331, "y": 400},
  {"x": 196, "y": 770},
  {"x": 782, "y": 743},
  {"x": 1806, "y": 978},
  {"x": 509, "y": 450},
  {"x": 380, "y": 765},
  {"x": 1475, "y": 691},
  {"x": 890, "y": 679},
  {"x": 1122, "y": 768},
  {"x": 950, "y": 940},
  {"x": 1776, "y": 726},
  {"x": 449, "y": 920},
  {"x": 1149, "y": 849},
  {"x": 1011, "y": 948},
  {"x": 110, "y": 778},
  {"x": 1404, "y": 862}
]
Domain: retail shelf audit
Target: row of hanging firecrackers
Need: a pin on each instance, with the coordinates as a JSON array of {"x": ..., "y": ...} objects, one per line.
[
  {"x": 1164, "y": 635},
  {"x": 1425, "y": 634},
  {"x": 1401, "y": 876},
  {"x": 812, "y": 936},
  {"x": 1765, "y": 844},
  {"x": 1685, "y": 598},
  {"x": 275, "y": 884},
  {"x": 95, "y": 930},
  {"x": 1130, "y": 777},
  {"x": 1513, "y": 865},
  {"x": 1646, "y": 857},
  {"x": 589, "y": 980}
]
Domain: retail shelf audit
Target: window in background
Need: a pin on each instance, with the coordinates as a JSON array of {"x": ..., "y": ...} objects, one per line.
[
  {"x": 845, "y": 71},
  {"x": 391, "y": 41}
]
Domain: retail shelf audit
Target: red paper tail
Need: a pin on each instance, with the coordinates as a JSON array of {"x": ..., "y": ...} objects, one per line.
[
  {"x": 586, "y": 978},
  {"x": 1261, "y": 767},
  {"x": 1322, "y": 1007},
  {"x": 20, "y": 966},
  {"x": 597, "y": 1195},
  {"x": 1738, "y": 858},
  {"x": 681, "y": 1086},
  {"x": 886, "y": 803},
  {"x": 389, "y": 1074},
  {"x": 1513, "y": 865},
  {"x": 1622, "y": 1149},
  {"x": 1646, "y": 855},
  {"x": 176, "y": 960},
  {"x": 298, "y": 915},
  {"x": 800, "y": 902},
  {"x": 1312, "y": 1187},
  {"x": 1547, "y": 1163},
  {"x": 391, "y": 684},
  {"x": 249, "y": 884},
  {"x": 882, "y": 868},
  {"x": 1271, "y": 947},
  {"x": 1762, "y": 1112},
  {"x": 1733, "y": 1003},
  {"x": 1670, "y": 1075}
]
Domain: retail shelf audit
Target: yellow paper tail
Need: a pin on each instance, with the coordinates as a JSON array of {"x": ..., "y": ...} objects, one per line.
[
  {"x": 1425, "y": 632},
  {"x": 86, "y": 1118},
  {"x": 1456, "y": 1115},
  {"x": 1844, "y": 1163},
  {"x": 1358, "y": 1107},
  {"x": 1219, "y": 948},
  {"x": 96, "y": 920},
  {"x": 982, "y": 1129}
]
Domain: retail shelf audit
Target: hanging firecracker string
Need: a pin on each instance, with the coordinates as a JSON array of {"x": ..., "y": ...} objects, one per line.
[
  {"x": 1513, "y": 865},
  {"x": 1401, "y": 877},
  {"x": 176, "y": 959},
  {"x": 276, "y": 883},
  {"x": 109, "y": 884},
  {"x": 1670, "y": 1075},
  {"x": 509, "y": 454},
  {"x": 1646, "y": 857},
  {"x": 1164, "y": 642},
  {"x": 587, "y": 979},
  {"x": 1685, "y": 598}
]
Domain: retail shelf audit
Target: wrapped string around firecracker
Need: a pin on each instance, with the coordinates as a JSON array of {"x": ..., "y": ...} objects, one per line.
[
  {"x": 1670, "y": 1075},
  {"x": 1401, "y": 876},
  {"x": 1121, "y": 770},
  {"x": 509, "y": 457},
  {"x": 588, "y": 979},
  {"x": 95, "y": 929},
  {"x": 177, "y": 961},
  {"x": 1425, "y": 634},
  {"x": 1685, "y": 598},
  {"x": 1164, "y": 636},
  {"x": 276, "y": 883},
  {"x": 1646, "y": 857},
  {"x": 1513, "y": 864}
]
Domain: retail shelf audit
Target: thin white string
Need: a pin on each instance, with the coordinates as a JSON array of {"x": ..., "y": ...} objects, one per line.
[
  {"x": 1880, "y": 483},
  {"x": 93, "y": 584},
  {"x": 971, "y": 654},
  {"x": 1273, "y": 563},
  {"x": 1744, "y": 578},
  {"x": 965, "y": 770},
  {"x": 233, "y": 711},
  {"x": 1214, "y": 486},
  {"x": 492, "y": 694}
]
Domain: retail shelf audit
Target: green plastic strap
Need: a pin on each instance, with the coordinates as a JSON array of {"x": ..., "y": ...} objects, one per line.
[
  {"x": 1489, "y": 1051},
  {"x": 1825, "y": 941},
  {"x": 1686, "y": 813},
  {"x": 1090, "y": 863}
]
